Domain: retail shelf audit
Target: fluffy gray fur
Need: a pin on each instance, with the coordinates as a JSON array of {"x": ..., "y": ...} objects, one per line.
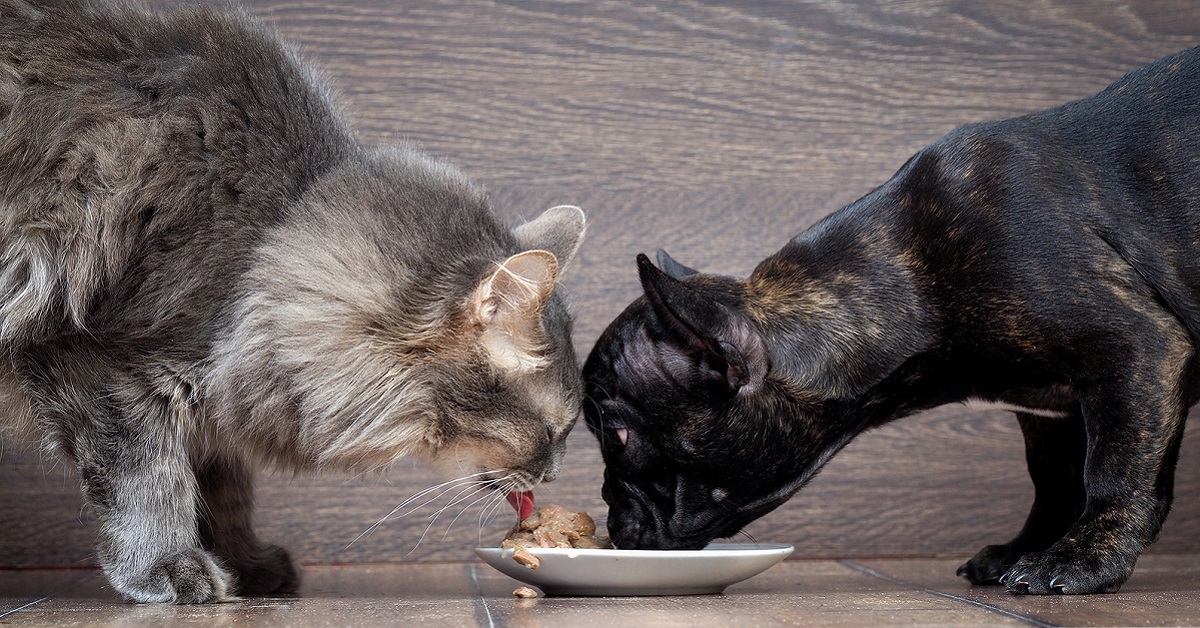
[{"x": 201, "y": 271}]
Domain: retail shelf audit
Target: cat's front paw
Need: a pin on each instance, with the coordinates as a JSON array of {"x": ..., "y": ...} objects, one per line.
[
  {"x": 987, "y": 566},
  {"x": 269, "y": 570},
  {"x": 1066, "y": 572},
  {"x": 187, "y": 577}
]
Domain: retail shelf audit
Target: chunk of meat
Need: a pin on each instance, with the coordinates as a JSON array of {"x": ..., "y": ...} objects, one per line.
[{"x": 552, "y": 526}]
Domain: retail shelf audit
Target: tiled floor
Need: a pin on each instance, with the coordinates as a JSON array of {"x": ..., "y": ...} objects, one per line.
[{"x": 1165, "y": 590}]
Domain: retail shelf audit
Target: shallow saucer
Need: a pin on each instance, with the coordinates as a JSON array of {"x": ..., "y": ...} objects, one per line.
[{"x": 592, "y": 572}]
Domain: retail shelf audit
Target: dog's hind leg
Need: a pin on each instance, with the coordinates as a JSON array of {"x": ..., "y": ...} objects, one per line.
[
  {"x": 1055, "y": 449},
  {"x": 1131, "y": 396}
]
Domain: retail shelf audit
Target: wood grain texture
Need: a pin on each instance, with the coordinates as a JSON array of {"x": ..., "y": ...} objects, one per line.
[{"x": 716, "y": 131}]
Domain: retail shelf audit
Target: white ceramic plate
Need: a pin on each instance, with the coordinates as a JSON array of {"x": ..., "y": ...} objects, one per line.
[{"x": 638, "y": 572}]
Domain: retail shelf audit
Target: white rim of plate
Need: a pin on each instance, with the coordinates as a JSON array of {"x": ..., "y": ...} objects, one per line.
[{"x": 713, "y": 551}]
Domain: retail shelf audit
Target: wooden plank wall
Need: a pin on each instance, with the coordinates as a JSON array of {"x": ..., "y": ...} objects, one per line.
[{"x": 716, "y": 131}]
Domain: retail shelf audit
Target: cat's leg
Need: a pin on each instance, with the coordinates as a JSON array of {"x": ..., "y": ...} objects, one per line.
[
  {"x": 1055, "y": 449},
  {"x": 227, "y": 498},
  {"x": 1134, "y": 414},
  {"x": 130, "y": 446},
  {"x": 138, "y": 481}
]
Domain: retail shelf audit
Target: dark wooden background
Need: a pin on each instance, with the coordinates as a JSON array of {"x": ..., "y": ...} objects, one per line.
[{"x": 715, "y": 131}]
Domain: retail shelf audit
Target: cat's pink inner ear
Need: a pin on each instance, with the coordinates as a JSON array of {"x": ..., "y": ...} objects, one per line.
[
  {"x": 525, "y": 280},
  {"x": 520, "y": 285},
  {"x": 507, "y": 308}
]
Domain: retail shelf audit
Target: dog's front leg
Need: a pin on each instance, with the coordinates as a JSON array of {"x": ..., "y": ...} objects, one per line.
[
  {"x": 1054, "y": 451},
  {"x": 1134, "y": 417}
]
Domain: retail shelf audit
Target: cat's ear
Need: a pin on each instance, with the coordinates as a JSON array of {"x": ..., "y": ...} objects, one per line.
[
  {"x": 508, "y": 304},
  {"x": 558, "y": 230},
  {"x": 725, "y": 341},
  {"x": 672, "y": 267}
]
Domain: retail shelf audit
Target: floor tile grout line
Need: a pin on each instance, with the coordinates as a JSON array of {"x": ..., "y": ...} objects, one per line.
[
  {"x": 482, "y": 599},
  {"x": 24, "y": 606},
  {"x": 72, "y": 585},
  {"x": 984, "y": 605}
]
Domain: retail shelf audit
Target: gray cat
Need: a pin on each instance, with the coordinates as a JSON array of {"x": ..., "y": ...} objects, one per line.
[{"x": 201, "y": 270}]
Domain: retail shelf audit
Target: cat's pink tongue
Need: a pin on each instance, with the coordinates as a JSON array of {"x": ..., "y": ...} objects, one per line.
[{"x": 523, "y": 502}]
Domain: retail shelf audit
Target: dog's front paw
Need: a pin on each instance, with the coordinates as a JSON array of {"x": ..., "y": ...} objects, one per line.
[
  {"x": 187, "y": 577},
  {"x": 268, "y": 570},
  {"x": 989, "y": 564},
  {"x": 1065, "y": 572}
]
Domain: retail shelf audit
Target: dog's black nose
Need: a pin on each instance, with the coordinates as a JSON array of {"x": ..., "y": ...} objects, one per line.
[
  {"x": 634, "y": 522},
  {"x": 635, "y": 528}
]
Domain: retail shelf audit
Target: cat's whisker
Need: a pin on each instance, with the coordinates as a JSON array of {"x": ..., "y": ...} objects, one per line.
[
  {"x": 448, "y": 489},
  {"x": 463, "y": 492},
  {"x": 495, "y": 489},
  {"x": 457, "y": 481},
  {"x": 749, "y": 536},
  {"x": 487, "y": 496},
  {"x": 463, "y": 495},
  {"x": 433, "y": 519},
  {"x": 488, "y": 514},
  {"x": 444, "y": 487},
  {"x": 600, "y": 416}
]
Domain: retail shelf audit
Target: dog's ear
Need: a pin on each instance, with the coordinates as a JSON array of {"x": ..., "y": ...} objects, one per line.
[
  {"x": 725, "y": 342},
  {"x": 672, "y": 267}
]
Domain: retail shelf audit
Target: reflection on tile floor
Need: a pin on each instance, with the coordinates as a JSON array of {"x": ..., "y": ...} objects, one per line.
[{"x": 1165, "y": 590}]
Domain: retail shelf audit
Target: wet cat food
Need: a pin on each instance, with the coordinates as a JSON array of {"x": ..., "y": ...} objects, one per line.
[
  {"x": 525, "y": 592},
  {"x": 552, "y": 526}
]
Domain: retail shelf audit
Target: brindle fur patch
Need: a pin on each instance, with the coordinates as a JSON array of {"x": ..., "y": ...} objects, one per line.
[{"x": 1049, "y": 263}]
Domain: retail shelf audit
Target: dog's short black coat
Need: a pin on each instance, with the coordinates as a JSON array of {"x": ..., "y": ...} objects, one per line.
[{"x": 1050, "y": 262}]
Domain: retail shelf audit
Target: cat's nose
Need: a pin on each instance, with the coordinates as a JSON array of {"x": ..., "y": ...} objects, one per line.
[{"x": 554, "y": 465}]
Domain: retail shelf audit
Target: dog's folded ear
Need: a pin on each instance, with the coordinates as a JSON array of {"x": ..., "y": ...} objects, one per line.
[{"x": 726, "y": 345}]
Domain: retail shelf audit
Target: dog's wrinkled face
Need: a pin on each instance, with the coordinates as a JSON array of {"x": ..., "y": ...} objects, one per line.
[{"x": 697, "y": 440}]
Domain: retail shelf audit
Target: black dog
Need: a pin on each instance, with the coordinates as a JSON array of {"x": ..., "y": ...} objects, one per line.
[{"x": 1050, "y": 263}]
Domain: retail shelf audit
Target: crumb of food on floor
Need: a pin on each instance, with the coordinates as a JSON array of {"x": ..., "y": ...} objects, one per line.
[{"x": 525, "y": 593}]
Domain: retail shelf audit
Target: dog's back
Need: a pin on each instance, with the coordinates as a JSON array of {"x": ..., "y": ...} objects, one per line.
[
  {"x": 1048, "y": 263},
  {"x": 1101, "y": 194}
]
